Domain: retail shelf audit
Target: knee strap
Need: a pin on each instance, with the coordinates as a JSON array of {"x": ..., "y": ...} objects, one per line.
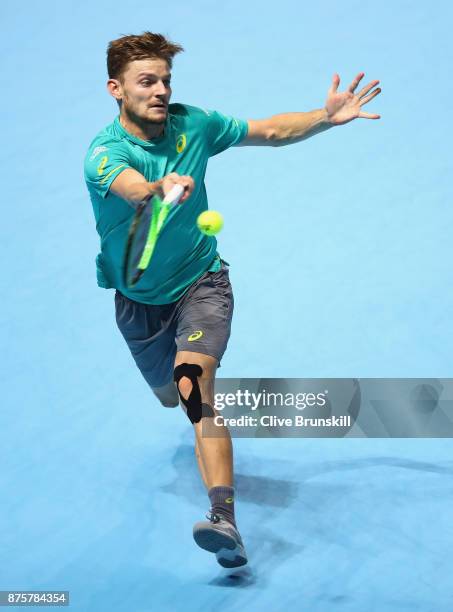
[{"x": 195, "y": 408}]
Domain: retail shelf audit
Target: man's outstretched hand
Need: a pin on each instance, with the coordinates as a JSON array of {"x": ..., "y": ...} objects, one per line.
[{"x": 345, "y": 106}]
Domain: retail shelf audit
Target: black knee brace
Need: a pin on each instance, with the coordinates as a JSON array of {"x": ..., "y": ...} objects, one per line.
[{"x": 195, "y": 408}]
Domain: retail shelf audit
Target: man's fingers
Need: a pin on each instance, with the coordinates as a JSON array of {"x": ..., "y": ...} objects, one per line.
[
  {"x": 368, "y": 116},
  {"x": 188, "y": 183},
  {"x": 367, "y": 88},
  {"x": 372, "y": 95},
  {"x": 175, "y": 179},
  {"x": 335, "y": 82},
  {"x": 352, "y": 87}
]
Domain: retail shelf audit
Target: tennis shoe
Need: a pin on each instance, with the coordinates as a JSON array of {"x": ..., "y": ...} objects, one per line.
[{"x": 219, "y": 536}]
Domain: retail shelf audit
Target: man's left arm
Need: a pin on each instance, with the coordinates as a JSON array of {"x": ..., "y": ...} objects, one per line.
[{"x": 288, "y": 128}]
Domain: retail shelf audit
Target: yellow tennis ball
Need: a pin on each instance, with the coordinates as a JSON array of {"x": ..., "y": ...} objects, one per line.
[{"x": 210, "y": 222}]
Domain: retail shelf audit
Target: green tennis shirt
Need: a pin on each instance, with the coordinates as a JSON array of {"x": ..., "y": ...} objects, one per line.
[{"x": 182, "y": 253}]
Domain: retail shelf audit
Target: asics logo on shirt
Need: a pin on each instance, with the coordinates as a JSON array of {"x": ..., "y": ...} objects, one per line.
[{"x": 181, "y": 143}]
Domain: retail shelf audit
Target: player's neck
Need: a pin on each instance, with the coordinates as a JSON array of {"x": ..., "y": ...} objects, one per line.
[{"x": 141, "y": 129}]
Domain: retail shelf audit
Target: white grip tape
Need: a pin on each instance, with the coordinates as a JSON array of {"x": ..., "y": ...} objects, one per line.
[{"x": 174, "y": 195}]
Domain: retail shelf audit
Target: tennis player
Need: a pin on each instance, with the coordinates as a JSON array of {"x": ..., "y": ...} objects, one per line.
[{"x": 176, "y": 320}]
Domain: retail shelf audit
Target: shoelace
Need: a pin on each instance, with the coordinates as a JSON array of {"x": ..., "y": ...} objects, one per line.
[{"x": 213, "y": 517}]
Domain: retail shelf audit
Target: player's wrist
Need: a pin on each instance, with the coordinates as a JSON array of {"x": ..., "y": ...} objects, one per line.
[
  {"x": 325, "y": 118},
  {"x": 156, "y": 187}
]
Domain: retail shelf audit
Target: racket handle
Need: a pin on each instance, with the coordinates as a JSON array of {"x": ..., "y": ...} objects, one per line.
[{"x": 174, "y": 195}]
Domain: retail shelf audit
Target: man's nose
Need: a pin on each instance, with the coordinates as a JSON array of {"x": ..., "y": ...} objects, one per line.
[{"x": 160, "y": 89}]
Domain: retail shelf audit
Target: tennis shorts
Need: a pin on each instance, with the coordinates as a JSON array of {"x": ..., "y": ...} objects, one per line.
[{"x": 200, "y": 321}]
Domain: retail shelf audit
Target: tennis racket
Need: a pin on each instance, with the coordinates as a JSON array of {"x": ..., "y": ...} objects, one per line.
[{"x": 144, "y": 233}]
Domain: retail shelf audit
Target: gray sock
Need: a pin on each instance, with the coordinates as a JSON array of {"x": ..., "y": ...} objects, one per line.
[{"x": 222, "y": 502}]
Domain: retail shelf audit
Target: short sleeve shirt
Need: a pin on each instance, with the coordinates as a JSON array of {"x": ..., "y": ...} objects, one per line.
[{"x": 182, "y": 253}]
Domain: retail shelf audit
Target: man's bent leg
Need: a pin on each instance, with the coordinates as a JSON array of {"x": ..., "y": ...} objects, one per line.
[
  {"x": 195, "y": 374},
  {"x": 216, "y": 453}
]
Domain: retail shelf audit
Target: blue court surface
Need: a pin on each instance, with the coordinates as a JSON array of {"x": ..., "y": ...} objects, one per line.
[{"x": 340, "y": 251}]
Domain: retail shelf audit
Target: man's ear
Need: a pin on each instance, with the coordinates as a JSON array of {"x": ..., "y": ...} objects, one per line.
[{"x": 115, "y": 89}]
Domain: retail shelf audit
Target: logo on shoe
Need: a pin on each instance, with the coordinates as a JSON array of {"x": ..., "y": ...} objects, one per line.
[
  {"x": 195, "y": 336},
  {"x": 229, "y": 500}
]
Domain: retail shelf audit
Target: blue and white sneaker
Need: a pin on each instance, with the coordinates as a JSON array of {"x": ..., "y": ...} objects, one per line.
[{"x": 219, "y": 536}]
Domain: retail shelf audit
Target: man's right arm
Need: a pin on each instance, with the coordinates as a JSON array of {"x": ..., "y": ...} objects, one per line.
[{"x": 133, "y": 187}]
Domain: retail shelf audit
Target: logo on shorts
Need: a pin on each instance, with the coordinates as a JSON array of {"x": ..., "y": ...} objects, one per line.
[{"x": 195, "y": 336}]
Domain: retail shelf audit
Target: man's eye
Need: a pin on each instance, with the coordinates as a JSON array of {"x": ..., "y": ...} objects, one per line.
[{"x": 167, "y": 83}]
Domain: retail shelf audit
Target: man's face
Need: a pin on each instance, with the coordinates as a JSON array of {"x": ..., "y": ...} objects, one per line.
[{"x": 145, "y": 89}]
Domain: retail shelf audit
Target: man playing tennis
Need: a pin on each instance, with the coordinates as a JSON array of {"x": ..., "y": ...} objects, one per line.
[{"x": 176, "y": 320}]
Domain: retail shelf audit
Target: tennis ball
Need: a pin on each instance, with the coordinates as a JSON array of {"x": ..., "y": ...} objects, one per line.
[{"x": 210, "y": 222}]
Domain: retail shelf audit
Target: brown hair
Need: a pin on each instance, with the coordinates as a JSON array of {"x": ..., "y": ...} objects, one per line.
[{"x": 135, "y": 47}]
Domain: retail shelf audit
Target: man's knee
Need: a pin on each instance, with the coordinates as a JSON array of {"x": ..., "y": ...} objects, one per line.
[
  {"x": 186, "y": 377},
  {"x": 185, "y": 386}
]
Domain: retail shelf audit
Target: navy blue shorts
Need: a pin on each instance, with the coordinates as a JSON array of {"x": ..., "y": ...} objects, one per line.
[{"x": 200, "y": 321}]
